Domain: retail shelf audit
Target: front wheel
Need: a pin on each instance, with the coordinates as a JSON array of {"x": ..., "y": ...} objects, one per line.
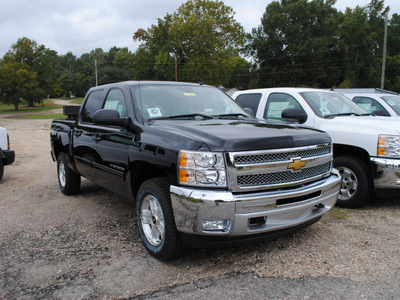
[
  {"x": 356, "y": 186},
  {"x": 156, "y": 220},
  {"x": 68, "y": 180}
]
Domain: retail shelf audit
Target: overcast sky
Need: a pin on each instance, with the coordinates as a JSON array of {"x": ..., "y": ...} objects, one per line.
[{"x": 81, "y": 26}]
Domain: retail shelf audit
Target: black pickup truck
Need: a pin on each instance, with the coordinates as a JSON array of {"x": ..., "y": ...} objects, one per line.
[{"x": 203, "y": 172}]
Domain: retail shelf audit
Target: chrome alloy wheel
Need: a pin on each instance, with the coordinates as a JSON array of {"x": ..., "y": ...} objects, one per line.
[
  {"x": 349, "y": 183},
  {"x": 152, "y": 220},
  {"x": 61, "y": 174}
]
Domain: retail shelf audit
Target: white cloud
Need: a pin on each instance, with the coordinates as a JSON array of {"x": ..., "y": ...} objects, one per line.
[{"x": 83, "y": 25}]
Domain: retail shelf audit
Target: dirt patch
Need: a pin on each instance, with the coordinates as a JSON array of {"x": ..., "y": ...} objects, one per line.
[{"x": 87, "y": 246}]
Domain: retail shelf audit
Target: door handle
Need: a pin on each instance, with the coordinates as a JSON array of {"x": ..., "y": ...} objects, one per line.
[{"x": 78, "y": 132}]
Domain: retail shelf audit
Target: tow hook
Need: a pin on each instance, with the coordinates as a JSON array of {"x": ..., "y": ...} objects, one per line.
[{"x": 318, "y": 206}]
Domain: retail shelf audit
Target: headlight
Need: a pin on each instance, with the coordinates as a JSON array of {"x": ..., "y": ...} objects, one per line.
[
  {"x": 202, "y": 168},
  {"x": 389, "y": 146}
]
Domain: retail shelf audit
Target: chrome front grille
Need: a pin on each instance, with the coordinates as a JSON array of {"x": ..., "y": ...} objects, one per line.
[
  {"x": 282, "y": 177},
  {"x": 284, "y": 156},
  {"x": 270, "y": 169}
]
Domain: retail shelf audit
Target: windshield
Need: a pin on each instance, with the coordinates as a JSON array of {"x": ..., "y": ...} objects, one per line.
[
  {"x": 328, "y": 104},
  {"x": 185, "y": 101},
  {"x": 394, "y": 102}
]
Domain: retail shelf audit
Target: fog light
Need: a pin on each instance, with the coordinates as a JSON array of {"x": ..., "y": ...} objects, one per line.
[{"x": 220, "y": 225}]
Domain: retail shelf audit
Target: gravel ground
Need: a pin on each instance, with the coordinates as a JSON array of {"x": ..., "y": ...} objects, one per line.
[{"x": 87, "y": 246}]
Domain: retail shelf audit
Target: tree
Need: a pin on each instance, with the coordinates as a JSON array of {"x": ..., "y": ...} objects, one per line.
[
  {"x": 17, "y": 82},
  {"x": 361, "y": 40},
  {"x": 69, "y": 67},
  {"x": 296, "y": 43},
  {"x": 41, "y": 61},
  {"x": 203, "y": 36}
]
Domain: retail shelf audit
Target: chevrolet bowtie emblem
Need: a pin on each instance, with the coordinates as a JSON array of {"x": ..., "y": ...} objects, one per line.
[{"x": 296, "y": 165}]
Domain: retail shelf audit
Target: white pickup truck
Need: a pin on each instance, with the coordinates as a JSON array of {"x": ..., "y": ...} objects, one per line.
[
  {"x": 7, "y": 156},
  {"x": 366, "y": 147}
]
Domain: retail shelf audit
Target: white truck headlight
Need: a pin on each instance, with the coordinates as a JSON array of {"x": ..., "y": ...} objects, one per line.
[
  {"x": 389, "y": 146},
  {"x": 202, "y": 168}
]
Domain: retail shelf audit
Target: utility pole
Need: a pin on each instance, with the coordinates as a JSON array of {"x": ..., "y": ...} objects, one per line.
[
  {"x": 251, "y": 73},
  {"x": 173, "y": 54},
  {"x": 95, "y": 69},
  {"x": 176, "y": 68},
  {"x": 384, "y": 55}
]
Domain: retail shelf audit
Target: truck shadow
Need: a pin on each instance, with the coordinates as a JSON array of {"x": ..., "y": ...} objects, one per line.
[{"x": 386, "y": 198}]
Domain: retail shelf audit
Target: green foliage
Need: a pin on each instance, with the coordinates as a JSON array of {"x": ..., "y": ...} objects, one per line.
[
  {"x": 298, "y": 43},
  {"x": 18, "y": 82},
  {"x": 203, "y": 36},
  {"x": 310, "y": 43},
  {"x": 30, "y": 63}
]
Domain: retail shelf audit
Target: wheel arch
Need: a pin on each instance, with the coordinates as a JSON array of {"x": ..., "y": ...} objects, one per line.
[
  {"x": 142, "y": 171},
  {"x": 347, "y": 150}
]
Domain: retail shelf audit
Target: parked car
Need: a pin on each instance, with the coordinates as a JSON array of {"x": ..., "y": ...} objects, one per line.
[
  {"x": 202, "y": 171},
  {"x": 366, "y": 148},
  {"x": 374, "y": 101},
  {"x": 7, "y": 156}
]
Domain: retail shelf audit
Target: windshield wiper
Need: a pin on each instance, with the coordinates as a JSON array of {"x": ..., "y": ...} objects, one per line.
[
  {"x": 342, "y": 114},
  {"x": 204, "y": 116},
  {"x": 232, "y": 115}
]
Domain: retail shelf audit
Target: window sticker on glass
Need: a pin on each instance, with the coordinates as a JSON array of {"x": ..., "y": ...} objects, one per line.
[
  {"x": 275, "y": 109},
  {"x": 110, "y": 104},
  {"x": 390, "y": 102},
  {"x": 154, "y": 112},
  {"x": 190, "y": 94},
  {"x": 365, "y": 106}
]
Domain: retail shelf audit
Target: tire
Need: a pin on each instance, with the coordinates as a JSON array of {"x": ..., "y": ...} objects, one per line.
[
  {"x": 1, "y": 168},
  {"x": 356, "y": 187},
  {"x": 156, "y": 221},
  {"x": 68, "y": 180}
]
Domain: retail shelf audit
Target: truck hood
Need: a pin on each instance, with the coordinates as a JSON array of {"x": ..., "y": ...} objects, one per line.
[
  {"x": 361, "y": 124},
  {"x": 240, "y": 135}
]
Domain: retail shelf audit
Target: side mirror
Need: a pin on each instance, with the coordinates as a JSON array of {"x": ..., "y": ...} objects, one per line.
[
  {"x": 294, "y": 114},
  {"x": 109, "y": 117},
  {"x": 249, "y": 111},
  {"x": 380, "y": 112}
]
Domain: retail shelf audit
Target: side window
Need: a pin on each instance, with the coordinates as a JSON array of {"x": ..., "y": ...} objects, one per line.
[
  {"x": 368, "y": 104},
  {"x": 277, "y": 102},
  {"x": 116, "y": 101},
  {"x": 93, "y": 104},
  {"x": 249, "y": 100}
]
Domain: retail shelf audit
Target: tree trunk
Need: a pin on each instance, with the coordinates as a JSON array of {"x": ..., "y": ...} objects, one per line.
[{"x": 16, "y": 106}]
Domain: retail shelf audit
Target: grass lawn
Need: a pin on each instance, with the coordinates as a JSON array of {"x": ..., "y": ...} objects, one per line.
[
  {"x": 76, "y": 100},
  {"x": 10, "y": 109},
  {"x": 45, "y": 116}
]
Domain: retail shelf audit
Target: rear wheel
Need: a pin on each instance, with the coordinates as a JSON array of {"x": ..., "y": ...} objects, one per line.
[
  {"x": 156, "y": 221},
  {"x": 68, "y": 180},
  {"x": 356, "y": 186}
]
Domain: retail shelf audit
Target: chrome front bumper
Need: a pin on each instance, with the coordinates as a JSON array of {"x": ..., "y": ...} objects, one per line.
[
  {"x": 388, "y": 172},
  {"x": 251, "y": 213}
]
